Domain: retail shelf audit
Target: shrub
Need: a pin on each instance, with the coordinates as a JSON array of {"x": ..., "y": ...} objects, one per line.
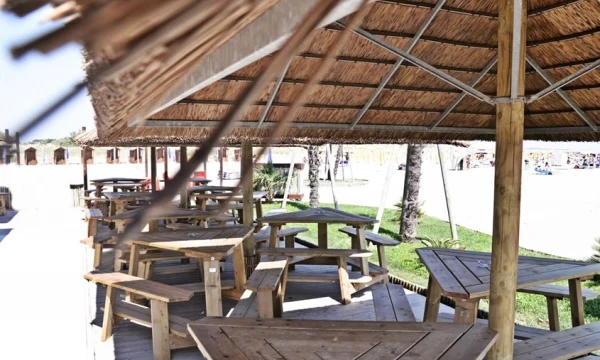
[
  {"x": 444, "y": 243},
  {"x": 268, "y": 178}
]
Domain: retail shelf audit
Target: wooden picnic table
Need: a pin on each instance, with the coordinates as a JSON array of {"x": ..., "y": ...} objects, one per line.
[
  {"x": 465, "y": 277},
  {"x": 257, "y": 197},
  {"x": 323, "y": 217},
  {"x": 235, "y": 338},
  {"x": 119, "y": 200},
  {"x": 210, "y": 245},
  {"x": 116, "y": 182},
  {"x": 165, "y": 214}
]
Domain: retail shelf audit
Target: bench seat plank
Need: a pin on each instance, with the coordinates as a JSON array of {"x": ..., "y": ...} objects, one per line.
[
  {"x": 267, "y": 274},
  {"x": 391, "y": 303},
  {"x": 155, "y": 256},
  {"x": 139, "y": 314},
  {"x": 371, "y": 237},
  {"x": 521, "y": 332},
  {"x": 199, "y": 287},
  {"x": 147, "y": 288},
  {"x": 265, "y": 233},
  {"x": 566, "y": 344},
  {"x": 349, "y": 253},
  {"x": 557, "y": 291}
]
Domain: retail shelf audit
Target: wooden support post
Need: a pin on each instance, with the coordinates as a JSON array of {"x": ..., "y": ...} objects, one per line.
[
  {"x": 385, "y": 191},
  {"x": 221, "y": 151},
  {"x": 447, "y": 194},
  {"x": 362, "y": 242},
  {"x": 159, "y": 315},
  {"x": 288, "y": 181},
  {"x": 183, "y": 194},
  {"x": 332, "y": 175},
  {"x": 212, "y": 281},
  {"x": 109, "y": 318},
  {"x": 577, "y": 317},
  {"x": 146, "y": 162},
  {"x": 153, "y": 169},
  {"x": 85, "y": 170},
  {"x": 17, "y": 144},
  {"x": 248, "y": 204},
  {"x": 344, "y": 280},
  {"x": 7, "y": 150},
  {"x": 553, "y": 319},
  {"x": 166, "y": 164},
  {"x": 432, "y": 301},
  {"x": 507, "y": 187},
  {"x": 465, "y": 311},
  {"x": 322, "y": 235}
]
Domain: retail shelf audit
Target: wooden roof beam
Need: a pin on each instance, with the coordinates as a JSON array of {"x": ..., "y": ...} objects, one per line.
[
  {"x": 174, "y": 123},
  {"x": 423, "y": 65},
  {"x": 589, "y": 32},
  {"x": 559, "y": 84},
  {"x": 388, "y": 76},
  {"x": 260, "y": 38},
  {"x": 274, "y": 94},
  {"x": 562, "y": 94}
]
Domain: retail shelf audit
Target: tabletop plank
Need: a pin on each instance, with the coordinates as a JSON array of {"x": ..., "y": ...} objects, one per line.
[
  {"x": 132, "y": 195},
  {"x": 449, "y": 283},
  {"x": 168, "y": 213},
  {"x": 318, "y": 215}
]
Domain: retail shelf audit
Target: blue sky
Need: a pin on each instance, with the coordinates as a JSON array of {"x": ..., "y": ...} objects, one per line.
[{"x": 30, "y": 84}]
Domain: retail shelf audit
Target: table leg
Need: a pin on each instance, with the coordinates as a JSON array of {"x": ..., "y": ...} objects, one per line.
[
  {"x": 322, "y": 235},
  {"x": 134, "y": 259},
  {"x": 362, "y": 242},
  {"x": 239, "y": 267},
  {"x": 212, "y": 287},
  {"x": 576, "y": 298},
  {"x": 159, "y": 315},
  {"x": 109, "y": 319},
  {"x": 465, "y": 311},
  {"x": 259, "y": 214},
  {"x": 553, "y": 320},
  {"x": 432, "y": 301},
  {"x": 98, "y": 191},
  {"x": 274, "y": 239}
]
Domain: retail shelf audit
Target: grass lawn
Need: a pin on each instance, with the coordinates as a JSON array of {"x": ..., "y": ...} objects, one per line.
[{"x": 404, "y": 262}]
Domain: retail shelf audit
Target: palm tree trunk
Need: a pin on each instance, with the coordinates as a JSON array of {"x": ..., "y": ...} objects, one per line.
[
  {"x": 313, "y": 175},
  {"x": 410, "y": 201},
  {"x": 338, "y": 158}
]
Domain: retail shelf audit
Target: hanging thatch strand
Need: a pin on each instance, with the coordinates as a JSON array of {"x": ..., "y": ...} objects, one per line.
[{"x": 277, "y": 64}]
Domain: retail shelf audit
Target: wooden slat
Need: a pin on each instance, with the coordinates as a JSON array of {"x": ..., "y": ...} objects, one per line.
[
  {"x": 371, "y": 237},
  {"x": 316, "y": 252},
  {"x": 198, "y": 287},
  {"x": 318, "y": 215},
  {"x": 474, "y": 344},
  {"x": 557, "y": 291},
  {"x": 460, "y": 271},
  {"x": 267, "y": 274},
  {"x": 146, "y": 288},
  {"x": 565, "y": 344}
]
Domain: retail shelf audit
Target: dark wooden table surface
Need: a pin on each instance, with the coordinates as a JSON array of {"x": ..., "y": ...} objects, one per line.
[
  {"x": 266, "y": 339},
  {"x": 465, "y": 276}
]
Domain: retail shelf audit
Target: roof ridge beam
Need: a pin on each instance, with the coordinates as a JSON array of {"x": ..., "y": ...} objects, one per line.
[
  {"x": 388, "y": 76},
  {"x": 456, "y": 101},
  {"x": 423, "y": 65},
  {"x": 568, "y": 99}
]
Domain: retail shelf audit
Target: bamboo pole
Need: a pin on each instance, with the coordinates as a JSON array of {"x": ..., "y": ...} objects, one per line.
[
  {"x": 183, "y": 198},
  {"x": 153, "y": 169},
  {"x": 329, "y": 157},
  {"x": 447, "y": 195},
  {"x": 248, "y": 218},
  {"x": 17, "y": 143},
  {"x": 507, "y": 187},
  {"x": 385, "y": 191},
  {"x": 286, "y": 191}
]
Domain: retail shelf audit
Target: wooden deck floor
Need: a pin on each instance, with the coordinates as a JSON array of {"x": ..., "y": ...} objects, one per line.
[{"x": 302, "y": 301}]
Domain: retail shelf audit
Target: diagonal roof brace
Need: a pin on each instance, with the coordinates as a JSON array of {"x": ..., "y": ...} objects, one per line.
[
  {"x": 422, "y": 65},
  {"x": 456, "y": 101},
  {"x": 274, "y": 94},
  {"x": 566, "y": 97},
  {"x": 559, "y": 84},
  {"x": 432, "y": 14}
]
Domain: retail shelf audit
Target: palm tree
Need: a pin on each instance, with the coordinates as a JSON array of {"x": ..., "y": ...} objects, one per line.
[
  {"x": 410, "y": 201},
  {"x": 314, "y": 162}
]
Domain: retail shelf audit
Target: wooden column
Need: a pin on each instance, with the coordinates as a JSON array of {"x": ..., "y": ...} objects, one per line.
[
  {"x": 507, "y": 187},
  {"x": 85, "y": 170},
  {"x": 221, "y": 151},
  {"x": 146, "y": 162},
  {"x": 17, "y": 141},
  {"x": 153, "y": 169},
  {"x": 183, "y": 200},
  {"x": 6, "y": 150},
  {"x": 246, "y": 162},
  {"x": 166, "y": 163}
]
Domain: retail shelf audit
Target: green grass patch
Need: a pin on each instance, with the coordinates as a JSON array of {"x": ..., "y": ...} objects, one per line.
[{"x": 403, "y": 261}]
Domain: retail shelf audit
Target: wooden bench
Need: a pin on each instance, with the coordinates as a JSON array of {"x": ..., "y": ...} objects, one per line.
[
  {"x": 168, "y": 332},
  {"x": 521, "y": 332},
  {"x": 97, "y": 237},
  {"x": 380, "y": 241},
  {"x": 341, "y": 255},
  {"x": 391, "y": 303},
  {"x": 565, "y": 344},
  {"x": 147, "y": 260},
  {"x": 289, "y": 235},
  {"x": 267, "y": 282},
  {"x": 553, "y": 293}
]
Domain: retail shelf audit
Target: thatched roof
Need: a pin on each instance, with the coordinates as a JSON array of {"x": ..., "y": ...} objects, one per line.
[{"x": 562, "y": 37}]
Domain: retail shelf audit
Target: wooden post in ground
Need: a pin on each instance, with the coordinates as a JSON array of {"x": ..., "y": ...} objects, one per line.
[
  {"x": 248, "y": 214},
  {"x": 507, "y": 187},
  {"x": 329, "y": 165},
  {"x": 166, "y": 163},
  {"x": 183, "y": 199},
  {"x": 385, "y": 191},
  {"x": 17, "y": 143},
  {"x": 153, "y": 169},
  {"x": 288, "y": 181},
  {"x": 146, "y": 162},
  {"x": 447, "y": 194},
  {"x": 85, "y": 170},
  {"x": 221, "y": 151}
]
